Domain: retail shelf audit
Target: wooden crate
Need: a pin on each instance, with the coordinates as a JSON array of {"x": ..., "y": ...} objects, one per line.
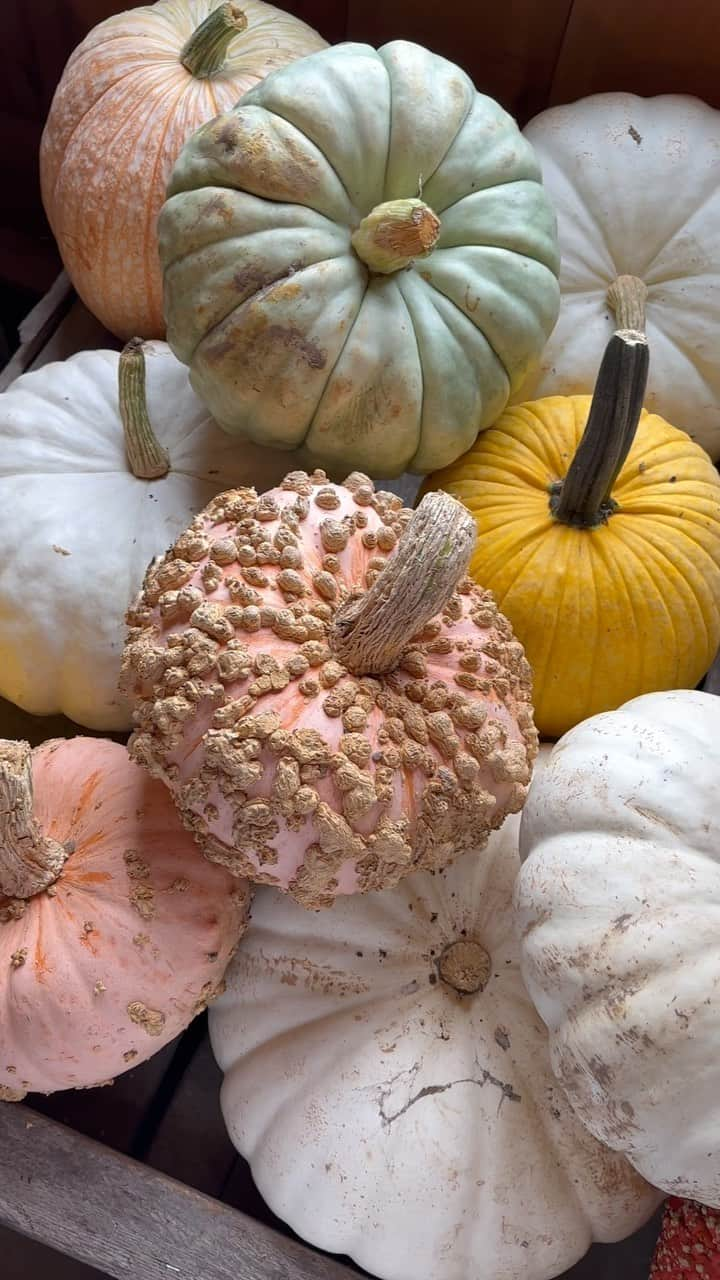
[{"x": 140, "y": 1181}]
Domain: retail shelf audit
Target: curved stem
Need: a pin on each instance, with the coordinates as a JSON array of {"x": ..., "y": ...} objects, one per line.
[
  {"x": 583, "y": 498},
  {"x": 204, "y": 54},
  {"x": 29, "y": 861},
  {"x": 394, "y": 233},
  {"x": 370, "y": 634},
  {"x": 627, "y": 296},
  {"x": 147, "y": 459}
]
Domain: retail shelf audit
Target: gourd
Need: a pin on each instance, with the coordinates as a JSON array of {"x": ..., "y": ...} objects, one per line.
[
  {"x": 113, "y": 932},
  {"x": 103, "y": 461},
  {"x": 388, "y": 1079},
  {"x": 360, "y": 258},
  {"x": 599, "y": 536},
  {"x": 139, "y": 84},
  {"x": 689, "y": 1241},
  {"x": 634, "y": 182},
  {"x": 330, "y": 700},
  {"x": 617, "y": 906}
]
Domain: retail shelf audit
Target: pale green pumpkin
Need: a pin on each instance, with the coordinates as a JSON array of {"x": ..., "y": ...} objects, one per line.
[{"x": 381, "y": 338}]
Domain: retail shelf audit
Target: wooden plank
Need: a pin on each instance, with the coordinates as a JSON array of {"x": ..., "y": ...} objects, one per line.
[
  {"x": 648, "y": 47},
  {"x": 118, "y": 1215},
  {"x": 509, "y": 50},
  {"x": 38, "y": 327}
]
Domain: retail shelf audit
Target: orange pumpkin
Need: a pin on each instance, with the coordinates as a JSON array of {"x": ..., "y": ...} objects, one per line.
[
  {"x": 114, "y": 933},
  {"x": 131, "y": 94}
]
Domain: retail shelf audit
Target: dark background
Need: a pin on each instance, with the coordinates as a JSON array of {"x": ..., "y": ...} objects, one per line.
[{"x": 526, "y": 53}]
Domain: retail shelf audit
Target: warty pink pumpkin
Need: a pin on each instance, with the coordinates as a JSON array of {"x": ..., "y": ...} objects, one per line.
[
  {"x": 332, "y": 703},
  {"x": 113, "y": 933}
]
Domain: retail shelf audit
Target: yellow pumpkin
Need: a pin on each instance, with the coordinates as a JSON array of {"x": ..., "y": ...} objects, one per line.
[
  {"x": 130, "y": 96},
  {"x": 599, "y": 536}
]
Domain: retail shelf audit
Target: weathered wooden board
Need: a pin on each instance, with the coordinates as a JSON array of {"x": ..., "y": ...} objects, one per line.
[{"x": 129, "y": 1221}]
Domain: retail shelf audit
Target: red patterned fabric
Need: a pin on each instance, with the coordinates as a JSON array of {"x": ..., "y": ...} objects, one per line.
[{"x": 688, "y": 1246}]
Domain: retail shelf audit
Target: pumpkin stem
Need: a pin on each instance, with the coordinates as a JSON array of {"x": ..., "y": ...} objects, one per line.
[
  {"x": 627, "y": 296},
  {"x": 204, "y": 54},
  {"x": 371, "y": 632},
  {"x": 148, "y": 461},
  {"x": 583, "y": 499},
  {"x": 29, "y": 861},
  {"x": 394, "y": 233}
]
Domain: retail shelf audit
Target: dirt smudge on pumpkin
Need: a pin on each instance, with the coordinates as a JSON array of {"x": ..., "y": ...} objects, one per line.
[
  {"x": 601, "y": 1071},
  {"x": 294, "y": 970},
  {"x": 295, "y": 341}
]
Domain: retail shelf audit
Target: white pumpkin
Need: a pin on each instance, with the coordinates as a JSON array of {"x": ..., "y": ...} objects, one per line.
[
  {"x": 78, "y": 527},
  {"x": 636, "y": 186},
  {"x": 618, "y": 907},
  {"x": 390, "y": 1115}
]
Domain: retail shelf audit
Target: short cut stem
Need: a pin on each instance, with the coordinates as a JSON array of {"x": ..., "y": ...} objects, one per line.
[
  {"x": 147, "y": 459},
  {"x": 205, "y": 53},
  {"x": 370, "y": 633}
]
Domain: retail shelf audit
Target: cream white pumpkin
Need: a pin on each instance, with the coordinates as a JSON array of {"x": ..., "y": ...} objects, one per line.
[
  {"x": 78, "y": 527},
  {"x": 618, "y": 907},
  {"x": 386, "y": 1115},
  {"x": 636, "y": 187}
]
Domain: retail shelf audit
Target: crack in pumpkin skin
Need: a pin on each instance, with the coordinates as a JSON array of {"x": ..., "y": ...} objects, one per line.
[{"x": 507, "y": 1092}]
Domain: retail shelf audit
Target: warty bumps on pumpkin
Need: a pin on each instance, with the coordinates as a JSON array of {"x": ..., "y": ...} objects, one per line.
[
  {"x": 360, "y": 257},
  {"x": 331, "y": 701}
]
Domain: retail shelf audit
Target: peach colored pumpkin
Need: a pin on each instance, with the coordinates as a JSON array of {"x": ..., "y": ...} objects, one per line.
[
  {"x": 125, "y": 106},
  {"x": 113, "y": 932},
  {"x": 330, "y": 709}
]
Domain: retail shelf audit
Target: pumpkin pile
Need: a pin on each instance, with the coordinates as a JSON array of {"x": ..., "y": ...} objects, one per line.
[{"x": 475, "y": 1009}]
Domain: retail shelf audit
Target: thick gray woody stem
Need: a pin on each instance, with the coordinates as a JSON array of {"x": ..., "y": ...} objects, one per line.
[
  {"x": 584, "y": 497},
  {"x": 370, "y": 633},
  {"x": 29, "y": 861}
]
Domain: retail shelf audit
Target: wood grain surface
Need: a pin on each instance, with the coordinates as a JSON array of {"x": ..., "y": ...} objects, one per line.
[{"x": 128, "y": 1221}]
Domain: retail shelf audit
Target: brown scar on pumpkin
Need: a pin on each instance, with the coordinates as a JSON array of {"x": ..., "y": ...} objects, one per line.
[{"x": 151, "y": 1020}]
